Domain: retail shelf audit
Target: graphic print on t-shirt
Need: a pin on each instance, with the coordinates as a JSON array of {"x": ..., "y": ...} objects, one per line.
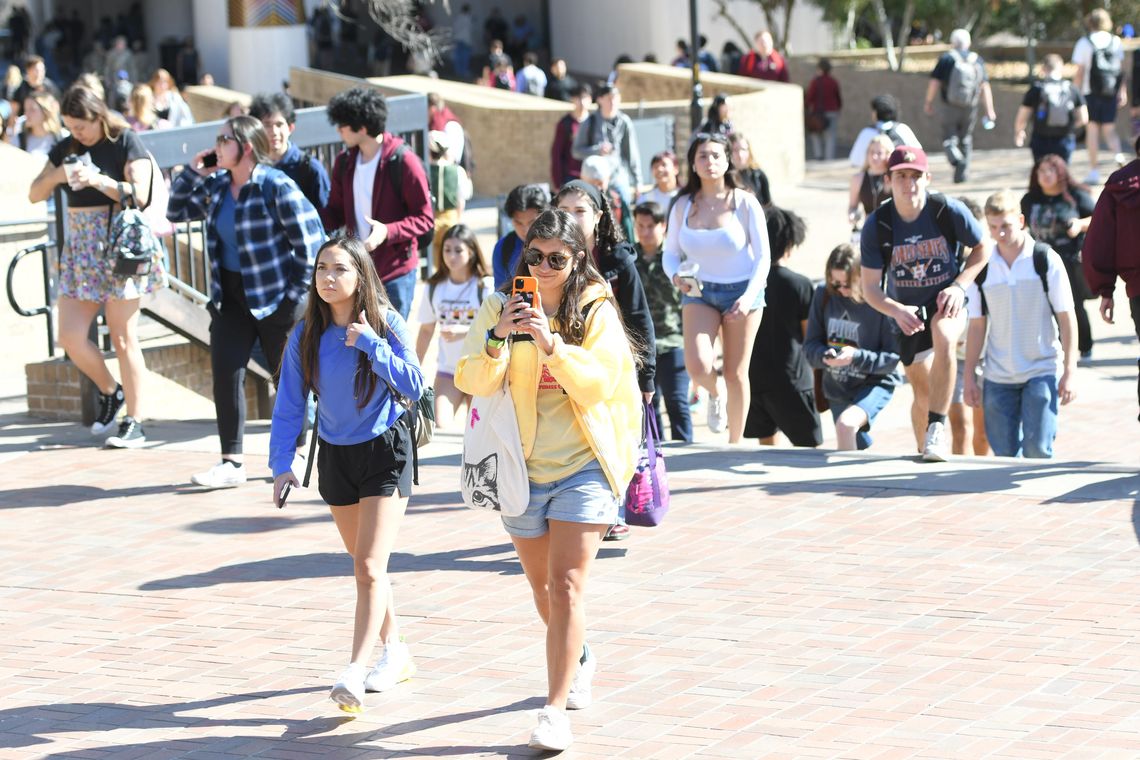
[
  {"x": 548, "y": 383},
  {"x": 922, "y": 262},
  {"x": 842, "y": 331}
]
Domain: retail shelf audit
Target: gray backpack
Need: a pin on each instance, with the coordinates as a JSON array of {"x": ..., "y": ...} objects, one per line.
[{"x": 965, "y": 80}]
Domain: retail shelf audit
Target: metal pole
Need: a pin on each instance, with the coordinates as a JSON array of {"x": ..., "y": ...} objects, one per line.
[{"x": 694, "y": 47}]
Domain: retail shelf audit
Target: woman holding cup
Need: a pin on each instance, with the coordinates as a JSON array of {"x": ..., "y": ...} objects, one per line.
[
  {"x": 717, "y": 231},
  {"x": 100, "y": 162}
]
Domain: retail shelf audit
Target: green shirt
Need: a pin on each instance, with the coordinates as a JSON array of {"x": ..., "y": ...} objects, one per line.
[{"x": 664, "y": 301}]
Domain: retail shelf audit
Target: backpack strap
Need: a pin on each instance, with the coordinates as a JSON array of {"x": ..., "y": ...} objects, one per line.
[
  {"x": 939, "y": 206},
  {"x": 885, "y": 226},
  {"x": 1041, "y": 267},
  {"x": 979, "y": 280},
  {"x": 312, "y": 447}
]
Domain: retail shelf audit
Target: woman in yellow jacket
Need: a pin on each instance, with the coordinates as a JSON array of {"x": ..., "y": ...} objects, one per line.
[{"x": 573, "y": 382}]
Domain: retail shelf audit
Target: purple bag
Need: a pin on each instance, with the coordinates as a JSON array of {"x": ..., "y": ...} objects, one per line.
[{"x": 647, "y": 497}]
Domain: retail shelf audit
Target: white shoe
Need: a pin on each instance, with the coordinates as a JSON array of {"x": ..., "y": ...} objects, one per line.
[
  {"x": 553, "y": 730},
  {"x": 1121, "y": 159},
  {"x": 717, "y": 416},
  {"x": 1093, "y": 178},
  {"x": 224, "y": 474},
  {"x": 348, "y": 691},
  {"x": 935, "y": 449},
  {"x": 394, "y": 666},
  {"x": 581, "y": 690}
]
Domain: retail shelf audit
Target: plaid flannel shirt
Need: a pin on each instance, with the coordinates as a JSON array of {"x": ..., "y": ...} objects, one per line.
[{"x": 278, "y": 233}]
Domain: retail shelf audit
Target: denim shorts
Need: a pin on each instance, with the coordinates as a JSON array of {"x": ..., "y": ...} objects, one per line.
[
  {"x": 872, "y": 399},
  {"x": 582, "y": 497},
  {"x": 722, "y": 295}
]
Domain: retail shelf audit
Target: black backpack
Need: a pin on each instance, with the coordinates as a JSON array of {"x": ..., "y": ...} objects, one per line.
[
  {"x": 893, "y": 134},
  {"x": 1104, "y": 69},
  {"x": 938, "y": 205},
  {"x": 1040, "y": 266},
  {"x": 396, "y": 170}
]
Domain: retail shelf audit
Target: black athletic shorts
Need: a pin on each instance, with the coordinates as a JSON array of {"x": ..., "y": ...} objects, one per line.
[
  {"x": 378, "y": 467},
  {"x": 790, "y": 411},
  {"x": 911, "y": 346}
]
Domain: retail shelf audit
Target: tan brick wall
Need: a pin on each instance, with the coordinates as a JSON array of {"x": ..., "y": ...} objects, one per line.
[{"x": 54, "y": 385}]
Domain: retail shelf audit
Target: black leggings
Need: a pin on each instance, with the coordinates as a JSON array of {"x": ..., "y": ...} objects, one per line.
[{"x": 232, "y": 334}]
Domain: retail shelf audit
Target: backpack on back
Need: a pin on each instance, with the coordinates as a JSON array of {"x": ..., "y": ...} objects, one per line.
[
  {"x": 1104, "y": 69},
  {"x": 1054, "y": 114},
  {"x": 965, "y": 80},
  {"x": 892, "y": 134},
  {"x": 1040, "y": 266}
]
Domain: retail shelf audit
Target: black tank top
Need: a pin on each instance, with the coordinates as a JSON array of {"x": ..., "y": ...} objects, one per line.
[{"x": 872, "y": 192}]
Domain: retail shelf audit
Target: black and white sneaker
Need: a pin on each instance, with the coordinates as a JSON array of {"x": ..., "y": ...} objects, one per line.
[
  {"x": 109, "y": 408},
  {"x": 130, "y": 436}
]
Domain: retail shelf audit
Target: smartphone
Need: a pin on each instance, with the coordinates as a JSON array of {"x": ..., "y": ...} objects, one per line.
[
  {"x": 831, "y": 353},
  {"x": 528, "y": 286},
  {"x": 210, "y": 160},
  {"x": 284, "y": 495},
  {"x": 694, "y": 285}
]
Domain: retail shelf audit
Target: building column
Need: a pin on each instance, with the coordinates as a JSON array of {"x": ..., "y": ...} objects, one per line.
[{"x": 266, "y": 38}]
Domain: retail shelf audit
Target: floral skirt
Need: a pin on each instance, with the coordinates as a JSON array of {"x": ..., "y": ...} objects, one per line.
[{"x": 86, "y": 273}]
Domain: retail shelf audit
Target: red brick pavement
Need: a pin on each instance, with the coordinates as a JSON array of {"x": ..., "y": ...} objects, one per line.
[{"x": 791, "y": 606}]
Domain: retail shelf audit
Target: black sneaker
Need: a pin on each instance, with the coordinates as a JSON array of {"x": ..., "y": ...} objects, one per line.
[
  {"x": 130, "y": 436},
  {"x": 109, "y": 407}
]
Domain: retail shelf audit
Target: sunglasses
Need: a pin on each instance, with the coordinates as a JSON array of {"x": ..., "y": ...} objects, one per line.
[
  {"x": 840, "y": 285},
  {"x": 533, "y": 257},
  {"x": 223, "y": 139}
]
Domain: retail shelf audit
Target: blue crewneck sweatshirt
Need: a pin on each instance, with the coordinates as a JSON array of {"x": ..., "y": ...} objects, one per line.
[{"x": 339, "y": 420}]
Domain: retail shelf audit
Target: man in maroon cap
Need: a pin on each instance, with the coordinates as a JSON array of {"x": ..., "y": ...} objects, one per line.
[{"x": 916, "y": 237}]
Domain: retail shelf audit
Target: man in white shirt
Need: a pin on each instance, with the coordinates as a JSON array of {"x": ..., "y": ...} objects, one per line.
[
  {"x": 1099, "y": 58},
  {"x": 1021, "y": 308},
  {"x": 884, "y": 121}
]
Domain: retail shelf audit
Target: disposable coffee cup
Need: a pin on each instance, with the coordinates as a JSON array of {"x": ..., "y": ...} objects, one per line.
[
  {"x": 688, "y": 273},
  {"x": 70, "y": 169}
]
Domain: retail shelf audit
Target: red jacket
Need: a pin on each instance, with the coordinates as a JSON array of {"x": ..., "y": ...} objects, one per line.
[
  {"x": 1112, "y": 243},
  {"x": 772, "y": 67},
  {"x": 823, "y": 94},
  {"x": 408, "y": 215},
  {"x": 563, "y": 166}
]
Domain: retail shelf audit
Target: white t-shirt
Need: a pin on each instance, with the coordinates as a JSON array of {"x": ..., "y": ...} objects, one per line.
[
  {"x": 362, "y": 182},
  {"x": 660, "y": 197},
  {"x": 858, "y": 155},
  {"x": 1022, "y": 339},
  {"x": 1083, "y": 51},
  {"x": 452, "y": 306}
]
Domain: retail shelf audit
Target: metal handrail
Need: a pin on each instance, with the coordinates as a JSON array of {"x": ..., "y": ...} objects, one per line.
[{"x": 45, "y": 310}]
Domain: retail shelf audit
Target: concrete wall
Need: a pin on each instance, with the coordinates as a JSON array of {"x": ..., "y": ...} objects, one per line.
[
  {"x": 210, "y": 103},
  {"x": 770, "y": 114}
]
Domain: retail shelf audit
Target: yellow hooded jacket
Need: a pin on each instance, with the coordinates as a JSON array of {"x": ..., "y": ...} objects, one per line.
[{"x": 599, "y": 378}]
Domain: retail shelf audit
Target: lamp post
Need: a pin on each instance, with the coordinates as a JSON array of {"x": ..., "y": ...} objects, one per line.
[{"x": 694, "y": 46}]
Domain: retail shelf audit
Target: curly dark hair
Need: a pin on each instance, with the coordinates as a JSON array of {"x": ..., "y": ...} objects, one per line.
[
  {"x": 607, "y": 233},
  {"x": 359, "y": 107},
  {"x": 786, "y": 230},
  {"x": 270, "y": 103}
]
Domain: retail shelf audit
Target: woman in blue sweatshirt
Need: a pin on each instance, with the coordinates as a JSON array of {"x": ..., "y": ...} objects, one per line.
[
  {"x": 856, "y": 346},
  {"x": 353, "y": 350}
]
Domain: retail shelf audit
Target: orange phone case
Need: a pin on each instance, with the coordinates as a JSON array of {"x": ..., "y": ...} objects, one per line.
[{"x": 528, "y": 286}]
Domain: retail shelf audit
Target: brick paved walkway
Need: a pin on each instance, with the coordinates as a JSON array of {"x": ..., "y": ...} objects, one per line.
[{"x": 794, "y": 605}]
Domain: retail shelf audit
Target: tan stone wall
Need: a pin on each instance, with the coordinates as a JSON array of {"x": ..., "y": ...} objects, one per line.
[
  {"x": 210, "y": 103},
  {"x": 54, "y": 384}
]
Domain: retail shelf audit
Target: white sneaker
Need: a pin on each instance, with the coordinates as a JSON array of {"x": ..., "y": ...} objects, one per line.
[
  {"x": 717, "y": 416},
  {"x": 348, "y": 691},
  {"x": 553, "y": 730},
  {"x": 1121, "y": 159},
  {"x": 581, "y": 690},
  {"x": 394, "y": 666},
  {"x": 224, "y": 474},
  {"x": 1093, "y": 177},
  {"x": 935, "y": 449}
]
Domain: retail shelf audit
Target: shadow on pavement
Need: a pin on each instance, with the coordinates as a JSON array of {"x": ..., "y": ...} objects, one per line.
[
  {"x": 71, "y": 495},
  {"x": 33, "y": 725}
]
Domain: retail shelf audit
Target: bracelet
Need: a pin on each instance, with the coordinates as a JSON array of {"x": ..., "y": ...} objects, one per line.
[{"x": 494, "y": 341}]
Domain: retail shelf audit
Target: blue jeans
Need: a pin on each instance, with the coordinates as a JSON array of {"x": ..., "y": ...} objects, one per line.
[
  {"x": 1061, "y": 146},
  {"x": 1021, "y": 418},
  {"x": 672, "y": 387},
  {"x": 401, "y": 291}
]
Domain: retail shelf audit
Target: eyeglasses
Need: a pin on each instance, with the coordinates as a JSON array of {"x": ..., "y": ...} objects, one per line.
[
  {"x": 223, "y": 139},
  {"x": 534, "y": 258}
]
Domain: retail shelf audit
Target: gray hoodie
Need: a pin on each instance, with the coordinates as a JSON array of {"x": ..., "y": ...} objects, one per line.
[{"x": 838, "y": 321}]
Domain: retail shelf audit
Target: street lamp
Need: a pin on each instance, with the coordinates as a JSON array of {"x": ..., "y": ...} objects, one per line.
[{"x": 694, "y": 61}]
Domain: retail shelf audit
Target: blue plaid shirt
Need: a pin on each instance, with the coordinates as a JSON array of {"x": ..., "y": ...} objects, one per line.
[{"x": 278, "y": 233}]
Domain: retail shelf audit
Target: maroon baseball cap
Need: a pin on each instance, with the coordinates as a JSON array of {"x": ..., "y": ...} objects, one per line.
[{"x": 907, "y": 157}]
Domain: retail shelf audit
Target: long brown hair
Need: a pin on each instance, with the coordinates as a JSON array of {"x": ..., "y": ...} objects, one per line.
[
  {"x": 1063, "y": 176},
  {"x": 370, "y": 298},
  {"x": 568, "y": 321},
  {"x": 845, "y": 258},
  {"x": 465, "y": 235},
  {"x": 250, "y": 133},
  {"x": 80, "y": 102}
]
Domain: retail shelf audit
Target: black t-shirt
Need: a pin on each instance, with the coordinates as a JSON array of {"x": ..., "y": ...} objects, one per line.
[
  {"x": 778, "y": 355},
  {"x": 757, "y": 181},
  {"x": 945, "y": 66},
  {"x": 1033, "y": 95},
  {"x": 109, "y": 156},
  {"x": 1047, "y": 218},
  {"x": 25, "y": 89}
]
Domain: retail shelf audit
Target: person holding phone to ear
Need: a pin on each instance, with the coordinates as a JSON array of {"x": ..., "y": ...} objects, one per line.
[
  {"x": 354, "y": 351},
  {"x": 263, "y": 236},
  {"x": 573, "y": 381}
]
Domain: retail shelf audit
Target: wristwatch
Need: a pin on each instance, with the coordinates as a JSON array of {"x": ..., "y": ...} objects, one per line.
[{"x": 494, "y": 341}]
